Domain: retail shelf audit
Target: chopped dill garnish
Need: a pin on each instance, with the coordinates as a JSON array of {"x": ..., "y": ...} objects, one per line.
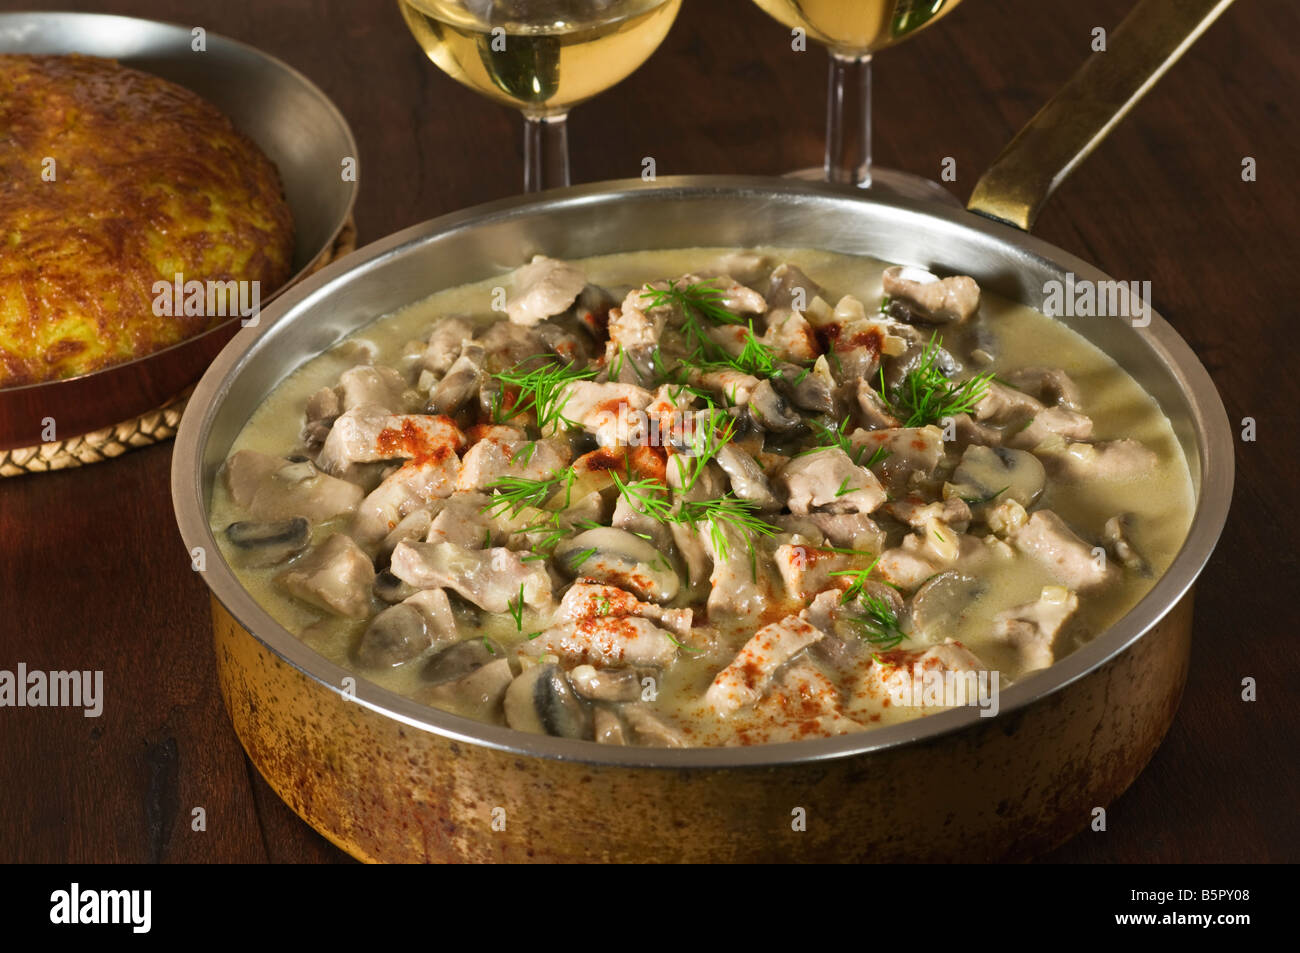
[
  {"x": 578, "y": 559},
  {"x": 837, "y": 436},
  {"x": 926, "y": 396},
  {"x": 979, "y": 500},
  {"x": 515, "y": 494},
  {"x": 878, "y": 623},
  {"x": 516, "y": 608},
  {"x": 860, "y": 578},
  {"x": 727, "y": 512},
  {"x": 525, "y": 453},
  {"x": 543, "y": 390},
  {"x": 701, "y": 306}
]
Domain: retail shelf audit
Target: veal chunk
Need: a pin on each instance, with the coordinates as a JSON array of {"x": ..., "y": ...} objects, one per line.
[
  {"x": 543, "y": 287},
  {"x": 1047, "y": 539},
  {"x": 370, "y": 433},
  {"x": 336, "y": 576},
  {"x": 507, "y": 452},
  {"x": 829, "y": 481},
  {"x": 492, "y": 579},
  {"x": 606, "y": 410},
  {"x": 1032, "y": 628},
  {"x": 750, "y": 673},
  {"x": 593, "y": 600},
  {"x": 610, "y": 640}
]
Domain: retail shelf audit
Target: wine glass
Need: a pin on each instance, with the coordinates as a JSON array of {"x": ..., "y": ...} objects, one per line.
[
  {"x": 853, "y": 30},
  {"x": 541, "y": 56}
]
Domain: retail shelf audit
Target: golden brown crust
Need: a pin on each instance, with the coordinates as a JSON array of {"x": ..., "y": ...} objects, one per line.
[{"x": 149, "y": 180}]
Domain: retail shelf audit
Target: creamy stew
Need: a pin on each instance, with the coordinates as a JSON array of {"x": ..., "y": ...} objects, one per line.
[{"x": 704, "y": 497}]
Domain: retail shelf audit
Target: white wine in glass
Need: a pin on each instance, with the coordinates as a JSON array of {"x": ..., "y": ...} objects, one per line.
[
  {"x": 542, "y": 57},
  {"x": 853, "y": 30}
]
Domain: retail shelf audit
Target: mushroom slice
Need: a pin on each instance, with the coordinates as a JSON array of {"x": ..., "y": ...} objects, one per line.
[
  {"x": 394, "y": 637},
  {"x": 608, "y": 727},
  {"x": 462, "y": 381},
  {"x": 458, "y": 660},
  {"x": 747, "y": 479},
  {"x": 789, "y": 287},
  {"x": 540, "y": 701},
  {"x": 810, "y": 388},
  {"x": 621, "y": 558},
  {"x": 988, "y": 474},
  {"x": 940, "y": 604},
  {"x": 939, "y": 301},
  {"x": 650, "y": 729},
  {"x": 606, "y": 685},
  {"x": 392, "y": 590},
  {"x": 1051, "y": 385},
  {"x": 479, "y": 695},
  {"x": 401, "y": 632},
  {"x": 276, "y": 488},
  {"x": 262, "y": 544},
  {"x": 323, "y": 408},
  {"x": 771, "y": 411}
]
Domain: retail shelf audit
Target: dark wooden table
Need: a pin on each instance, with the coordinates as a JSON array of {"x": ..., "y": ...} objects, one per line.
[{"x": 93, "y": 574}]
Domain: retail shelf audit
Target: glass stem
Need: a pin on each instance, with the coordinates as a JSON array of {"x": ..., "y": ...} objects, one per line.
[
  {"x": 848, "y": 120},
  {"x": 546, "y": 152}
]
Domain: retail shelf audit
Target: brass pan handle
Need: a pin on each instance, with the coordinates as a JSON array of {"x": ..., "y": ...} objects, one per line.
[{"x": 1066, "y": 130}]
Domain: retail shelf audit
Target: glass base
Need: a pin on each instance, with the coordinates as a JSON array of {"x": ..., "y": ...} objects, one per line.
[{"x": 892, "y": 182}]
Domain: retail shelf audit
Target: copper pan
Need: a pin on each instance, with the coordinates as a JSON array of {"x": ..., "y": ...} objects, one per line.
[
  {"x": 281, "y": 110},
  {"x": 388, "y": 779}
]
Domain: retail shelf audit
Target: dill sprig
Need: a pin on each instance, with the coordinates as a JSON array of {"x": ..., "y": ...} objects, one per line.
[
  {"x": 700, "y": 305},
  {"x": 878, "y": 623},
  {"x": 838, "y": 436},
  {"x": 981, "y": 500},
  {"x": 755, "y": 358},
  {"x": 726, "y": 512},
  {"x": 543, "y": 389},
  {"x": 860, "y": 579},
  {"x": 712, "y": 431},
  {"x": 647, "y": 496},
  {"x": 702, "y": 299},
  {"x": 515, "y": 494},
  {"x": 516, "y": 609},
  {"x": 926, "y": 396}
]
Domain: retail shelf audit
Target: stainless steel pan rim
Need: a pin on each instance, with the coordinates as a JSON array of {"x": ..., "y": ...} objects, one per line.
[{"x": 1211, "y": 465}]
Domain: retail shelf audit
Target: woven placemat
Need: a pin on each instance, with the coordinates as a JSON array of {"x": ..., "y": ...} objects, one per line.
[{"x": 149, "y": 428}]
